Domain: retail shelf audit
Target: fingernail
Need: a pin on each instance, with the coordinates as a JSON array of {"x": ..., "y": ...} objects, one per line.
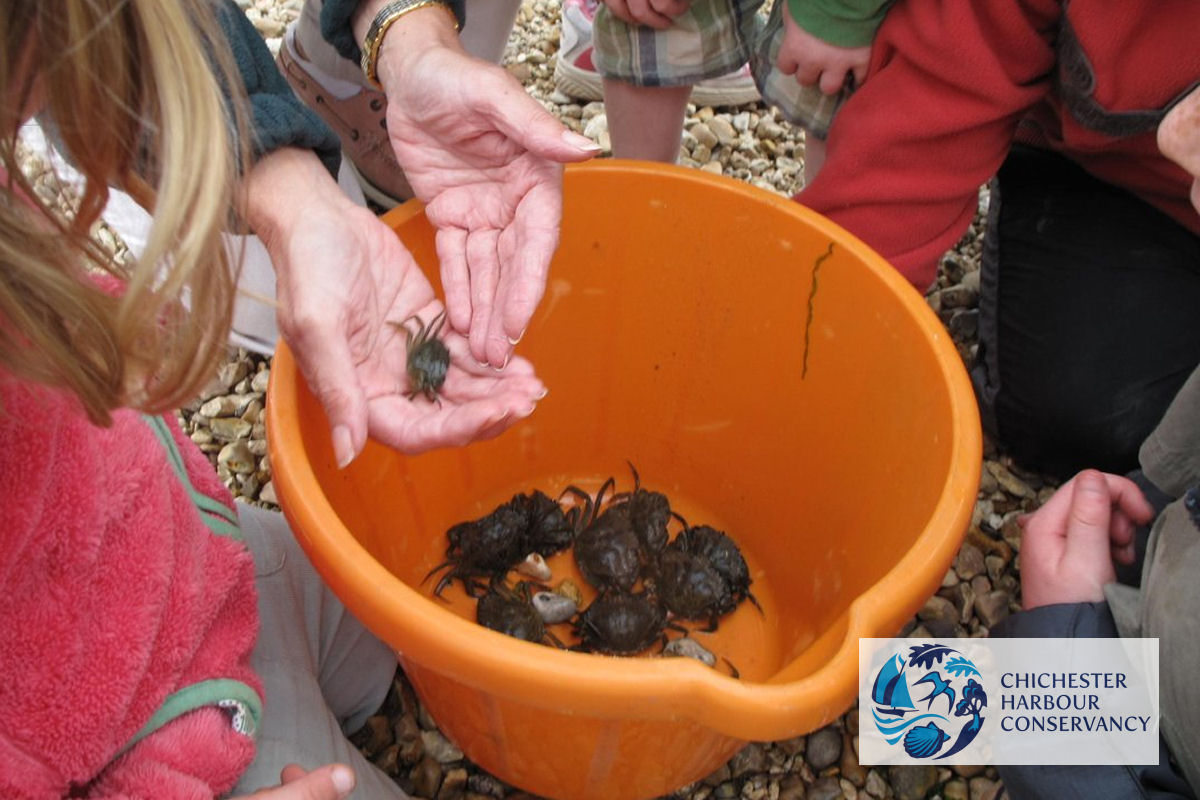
[
  {"x": 343, "y": 446},
  {"x": 516, "y": 341},
  {"x": 580, "y": 142},
  {"x": 343, "y": 780},
  {"x": 542, "y": 394}
]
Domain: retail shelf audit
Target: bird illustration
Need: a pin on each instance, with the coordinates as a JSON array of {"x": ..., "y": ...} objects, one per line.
[{"x": 940, "y": 687}]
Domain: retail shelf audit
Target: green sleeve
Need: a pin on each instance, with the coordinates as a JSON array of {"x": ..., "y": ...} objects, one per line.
[
  {"x": 278, "y": 118},
  {"x": 843, "y": 23}
]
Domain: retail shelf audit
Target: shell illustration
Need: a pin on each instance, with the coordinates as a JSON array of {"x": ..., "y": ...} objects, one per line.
[{"x": 924, "y": 741}]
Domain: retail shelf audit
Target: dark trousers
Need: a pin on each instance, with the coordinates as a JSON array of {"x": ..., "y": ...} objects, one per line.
[{"x": 1089, "y": 316}]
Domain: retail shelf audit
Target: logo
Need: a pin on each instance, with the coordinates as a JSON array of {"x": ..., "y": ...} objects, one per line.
[{"x": 947, "y": 712}]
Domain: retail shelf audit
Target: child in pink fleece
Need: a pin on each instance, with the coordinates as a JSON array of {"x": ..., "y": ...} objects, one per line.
[
  {"x": 113, "y": 595},
  {"x": 129, "y": 666},
  {"x": 159, "y": 641}
]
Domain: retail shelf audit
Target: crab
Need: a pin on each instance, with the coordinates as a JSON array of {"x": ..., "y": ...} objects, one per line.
[
  {"x": 428, "y": 357},
  {"x": 523, "y": 531},
  {"x": 649, "y": 513},
  {"x": 482, "y": 548},
  {"x": 607, "y": 550},
  {"x": 621, "y": 623},
  {"x": 547, "y": 529},
  {"x": 702, "y": 575},
  {"x": 724, "y": 556},
  {"x": 510, "y": 611},
  {"x": 689, "y": 586}
]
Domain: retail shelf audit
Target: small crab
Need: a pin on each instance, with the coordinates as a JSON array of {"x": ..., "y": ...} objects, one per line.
[
  {"x": 487, "y": 547},
  {"x": 690, "y": 587},
  {"x": 649, "y": 513},
  {"x": 548, "y": 530},
  {"x": 510, "y": 611},
  {"x": 621, "y": 623},
  {"x": 724, "y": 556},
  {"x": 607, "y": 550},
  {"x": 428, "y": 357}
]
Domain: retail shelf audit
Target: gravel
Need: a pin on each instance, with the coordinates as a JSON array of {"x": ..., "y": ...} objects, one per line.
[{"x": 751, "y": 143}]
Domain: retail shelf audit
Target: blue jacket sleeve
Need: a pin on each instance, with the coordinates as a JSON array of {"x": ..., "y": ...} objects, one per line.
[
  {"x": 278, "y": 117},
  {"x": 1065, "y": 620},
  {"x": 1159, "y": 781},
  {"x": 335, "y": 24}
]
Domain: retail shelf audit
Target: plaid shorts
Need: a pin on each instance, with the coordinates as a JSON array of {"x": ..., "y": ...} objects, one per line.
[{"x": 710, "y": 39}]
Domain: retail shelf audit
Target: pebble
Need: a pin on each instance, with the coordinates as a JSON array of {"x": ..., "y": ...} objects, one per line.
[
  {"x": 824, "y": 748},
  {"x": 687, "y": 647},
  {"x": 992, "y": 607},
  {"x": 969, "y": 562},
  {"x": 228, "y": 429},
  {"x": 439, "y": 747},
  {"x": 827, "y": 788},
  {"x": 750, "y": 760},
  {"x": 876, "y": 785},
  {"x": 554, "y": 608},
  {"x": 236, "y": 457},
  {"x": 426, "y": 777},
  {"x": 984, "y": 789},
  {"x": 912, "y": 782},
  {"x": 939, "y": 615},
  {"x": 535, "y": 566}
]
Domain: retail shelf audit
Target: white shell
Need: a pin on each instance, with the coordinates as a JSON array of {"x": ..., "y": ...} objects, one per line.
[
  {"x": 553, "y": 607},
  {"x": 534, "y": 566},
  {"x": 689, "y": 648}
]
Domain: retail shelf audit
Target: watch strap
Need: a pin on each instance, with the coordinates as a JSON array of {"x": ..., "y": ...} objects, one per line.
[{"x": 379, "y": 27}]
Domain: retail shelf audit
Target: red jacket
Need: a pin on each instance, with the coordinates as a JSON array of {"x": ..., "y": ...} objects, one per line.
[
  {"x": 113, "y": 594},
  {"x": 953, "y": 83}
]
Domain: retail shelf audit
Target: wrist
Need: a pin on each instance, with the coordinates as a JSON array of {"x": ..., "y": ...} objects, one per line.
[
  {"x": 282, "y": 190},
  {"x": 412, "y": 36}
]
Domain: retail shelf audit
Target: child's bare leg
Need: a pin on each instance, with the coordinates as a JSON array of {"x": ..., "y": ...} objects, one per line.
[
  {"x": 645, "y": 122},
  {"x": 814, "y": 157}
]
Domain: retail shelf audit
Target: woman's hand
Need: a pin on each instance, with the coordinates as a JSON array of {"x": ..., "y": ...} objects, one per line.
[
  {"x": 345, "y": 286},
  {"x": 486, "y": 159}
]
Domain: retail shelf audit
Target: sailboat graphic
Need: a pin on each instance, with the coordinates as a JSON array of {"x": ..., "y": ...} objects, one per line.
[{"x": 891, "y": 689}]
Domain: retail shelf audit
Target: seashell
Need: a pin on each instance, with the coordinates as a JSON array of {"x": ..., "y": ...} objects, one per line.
[
  {"x": 687, "y": 647},
  {"x": 568, "y": 588},
  {"x": 924, "y": 741},
  {"x": 534, "y": 566},
  {"x": 553, "y": 607}
]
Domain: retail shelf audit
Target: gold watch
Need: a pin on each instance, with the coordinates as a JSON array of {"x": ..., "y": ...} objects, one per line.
[{"x": 379, "y": 26}]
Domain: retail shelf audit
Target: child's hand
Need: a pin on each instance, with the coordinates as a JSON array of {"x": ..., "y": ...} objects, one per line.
[
  {"x": 816, "y": 62},
  {"x": 658, "y": 14},
  {"x": 334, "y": 782},
  {"x": 1068, "y": 545},
  {"x": 1179, "y": 139}
]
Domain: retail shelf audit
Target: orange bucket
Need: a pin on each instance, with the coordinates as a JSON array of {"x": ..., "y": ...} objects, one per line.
[{"x": 759, "y": 365}]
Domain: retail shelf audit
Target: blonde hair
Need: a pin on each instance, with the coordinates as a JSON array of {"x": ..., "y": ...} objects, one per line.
[{"x": 134, "y": 89}]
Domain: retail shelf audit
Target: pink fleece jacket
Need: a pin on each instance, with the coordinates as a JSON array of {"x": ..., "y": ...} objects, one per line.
[{"x": 113, "y": 594}]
